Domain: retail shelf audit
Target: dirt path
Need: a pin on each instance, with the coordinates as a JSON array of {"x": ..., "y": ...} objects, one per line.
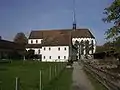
[{"x": 80, "y": 80}]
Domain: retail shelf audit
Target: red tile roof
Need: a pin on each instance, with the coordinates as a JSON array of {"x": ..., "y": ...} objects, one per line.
[
  {"x": 59, "y": 37},
  {"x": 77, "y": 33}
]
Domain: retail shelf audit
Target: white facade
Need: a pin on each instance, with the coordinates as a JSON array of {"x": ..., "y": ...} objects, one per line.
[
  {"x": 34, "y": 41},
  {"x": 52, "y": 53},
  {"x": 55, "y": 53}
]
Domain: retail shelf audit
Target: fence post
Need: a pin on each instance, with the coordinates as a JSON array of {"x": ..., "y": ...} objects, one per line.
[
  {"x": 50, "y": 76},
  {"x": 40, "y": 83},
  {"x": 55, "y": 70},
  {"x": 0, "y": 85},
  {"x": 16, "y": 83}
]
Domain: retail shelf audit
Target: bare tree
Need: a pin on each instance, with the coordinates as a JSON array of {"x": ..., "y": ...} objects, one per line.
[{"x": 20, "y": 38}]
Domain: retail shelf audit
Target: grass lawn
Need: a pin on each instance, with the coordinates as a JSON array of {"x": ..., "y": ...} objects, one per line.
[
  {"x": 97, "y": 85},
  {"x": 63, "y": 82},
  {"x": 28, "y": 72}
]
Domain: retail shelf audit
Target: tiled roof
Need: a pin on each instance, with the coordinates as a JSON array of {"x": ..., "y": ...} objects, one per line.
[
  {"x": 85, "y": 33},
  {"x": 4, "y": 44},
  {"x": 82, "y": 33},
  {"x": 59, "y": 37},
  {"x": 57, "y": 40}
]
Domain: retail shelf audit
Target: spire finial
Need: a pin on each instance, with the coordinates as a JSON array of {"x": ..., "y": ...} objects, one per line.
[{"x": 74, "y": 16}]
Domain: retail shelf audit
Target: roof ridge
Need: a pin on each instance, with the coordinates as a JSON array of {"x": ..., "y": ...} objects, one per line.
[{"x": 59, "y": 29}]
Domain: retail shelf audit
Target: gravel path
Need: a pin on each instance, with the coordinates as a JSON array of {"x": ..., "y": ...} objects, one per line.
[{"x": 80, "y": 80}]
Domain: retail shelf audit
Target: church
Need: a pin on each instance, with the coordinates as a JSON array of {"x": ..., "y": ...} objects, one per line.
[{"x": 61, "y": 45}]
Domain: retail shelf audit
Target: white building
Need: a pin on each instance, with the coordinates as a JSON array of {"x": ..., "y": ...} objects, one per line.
[{"x": 59, "y": 45}]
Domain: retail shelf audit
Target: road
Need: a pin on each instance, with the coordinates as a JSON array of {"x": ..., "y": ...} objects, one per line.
[{"x": 80, "y": 80}]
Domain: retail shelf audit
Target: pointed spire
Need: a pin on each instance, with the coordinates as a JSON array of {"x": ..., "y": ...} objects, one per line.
[{"x": 74, "y": 16}]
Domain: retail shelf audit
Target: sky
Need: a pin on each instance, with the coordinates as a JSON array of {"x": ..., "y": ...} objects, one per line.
[{"x": 26, "y": 15}]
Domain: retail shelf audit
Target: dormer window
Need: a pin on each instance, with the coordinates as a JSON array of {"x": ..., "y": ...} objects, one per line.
[
  {"x": 44, "y": 49},
  {"x": 65, "y": 49},
  {"x": 31, "y": 41},
  {"x": 49, "y": 49},
  {"x": 36, "y": 41}
]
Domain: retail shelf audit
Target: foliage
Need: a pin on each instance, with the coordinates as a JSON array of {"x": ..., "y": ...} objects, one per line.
[
  {"x": 106, "y": 47},
  {"x": 20, "y": 38},
  {"x": 113, "y": 16}
]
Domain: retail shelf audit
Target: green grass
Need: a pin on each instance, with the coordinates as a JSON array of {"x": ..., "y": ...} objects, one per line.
[
  {"x": 97, "y": 85},
  {"x": 63, "y": 82},
  {"x": 28, "y": 73}
]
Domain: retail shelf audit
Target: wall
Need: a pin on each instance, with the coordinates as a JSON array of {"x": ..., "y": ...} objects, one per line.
[{"x": 54, "y": 53}]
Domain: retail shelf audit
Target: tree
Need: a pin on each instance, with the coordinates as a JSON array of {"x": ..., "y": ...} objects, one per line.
[
  {"x": 20, "y": 38},
  {"x": 113, "y": 16}
]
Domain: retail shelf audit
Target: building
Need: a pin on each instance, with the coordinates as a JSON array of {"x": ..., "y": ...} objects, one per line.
[
  {"x": 60, "y": 45},
  {"x": 10, "y": 50}
]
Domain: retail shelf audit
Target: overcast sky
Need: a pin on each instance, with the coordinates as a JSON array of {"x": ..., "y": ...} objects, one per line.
[{"x": 26, "y": 15}]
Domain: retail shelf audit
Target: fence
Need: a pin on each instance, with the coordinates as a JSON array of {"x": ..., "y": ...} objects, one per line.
[{"x": 41, "y": 80}]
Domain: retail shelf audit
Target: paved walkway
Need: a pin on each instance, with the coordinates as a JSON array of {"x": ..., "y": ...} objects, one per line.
[{"x": 80, "y": 80}]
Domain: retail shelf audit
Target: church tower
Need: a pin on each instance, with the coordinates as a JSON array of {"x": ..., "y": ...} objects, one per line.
[{"x": 74, "y": 16}]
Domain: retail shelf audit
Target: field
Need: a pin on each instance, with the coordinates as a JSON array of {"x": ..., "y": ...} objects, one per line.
[{"x": 28, "y": 74}]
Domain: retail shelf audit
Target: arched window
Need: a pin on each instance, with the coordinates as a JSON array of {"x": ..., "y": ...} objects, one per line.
[
  {"x": 44, "y": 57},
  {"x": 36, "y": 41},
  {"x": 58, "y": 57},
  {"x": 64, "y": 57},
  {"x": 31, "y": 41}
]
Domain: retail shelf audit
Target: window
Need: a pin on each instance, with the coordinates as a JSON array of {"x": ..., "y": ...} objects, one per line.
[
  {"x": 36, "y": 41},
  {"x": 44, "y": 57},
  {"x": 31, "y": 41},
  {"x": 58, "y": 57},
  {"x": 49, "y": 48},
  {"x": 64, "y": 57},
  {"x": 64, "y": 48},
  {"x": 39, "y": 51},
  {"x": 49, "y": 57},
  {"x": 44, "y": 48},
  {"x": 58, "y": 49}
]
